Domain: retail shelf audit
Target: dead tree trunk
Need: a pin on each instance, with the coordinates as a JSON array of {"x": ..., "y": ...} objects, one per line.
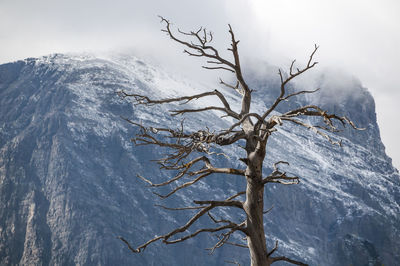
[
  {"x": 254, "y": 204},
  {"x": 252, "y": 128}
]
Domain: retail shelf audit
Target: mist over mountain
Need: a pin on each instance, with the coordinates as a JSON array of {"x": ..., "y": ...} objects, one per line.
[{"x": 68, "y": 184}]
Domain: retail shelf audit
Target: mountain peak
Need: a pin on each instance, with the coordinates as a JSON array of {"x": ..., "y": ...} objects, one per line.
[{"x": 67, "y": 171}]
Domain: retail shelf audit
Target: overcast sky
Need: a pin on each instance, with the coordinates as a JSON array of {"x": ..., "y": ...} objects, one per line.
[{"x": 360, "y": 37}]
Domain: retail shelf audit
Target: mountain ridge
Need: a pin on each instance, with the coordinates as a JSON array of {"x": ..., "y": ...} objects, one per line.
[{"x": 67, "y": 206}]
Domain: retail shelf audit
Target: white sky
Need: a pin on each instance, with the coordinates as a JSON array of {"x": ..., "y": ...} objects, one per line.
[{"x": 361, "y": 37}]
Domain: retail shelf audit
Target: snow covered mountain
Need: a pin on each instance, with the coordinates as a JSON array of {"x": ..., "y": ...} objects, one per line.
[{"x": 68, "y": 170}]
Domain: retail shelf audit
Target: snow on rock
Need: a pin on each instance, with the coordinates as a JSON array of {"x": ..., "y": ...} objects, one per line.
[{"x": 68, "y": 181}]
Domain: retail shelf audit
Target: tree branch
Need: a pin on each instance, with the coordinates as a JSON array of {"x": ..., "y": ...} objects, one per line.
[
  {"x": 280, "y": 177},
  {"x": 313, "y": 110},
  {"x": 201, "y": 46},
  {"x": 205, "y": 209},
  {"x": 182, "y": 186},
  {"x": 298, "y": 93},
  {"x": 232, "y": 262},
  {"x": 282, "y": 258},
  {"x": 209, "y": 230},
  {"x": 313, "y": 128},
  {"x": 180, "y": 209},
  {"x": 224, "y": 237},
  {"x": 185, "y": 143},
  {"x": 229, "y": 203},
  {"x": 236, "y": 195},
  {"x": 284, "y": 82},
  {"x": 144, "y": 100},
  {"x": 208, "y": 108},
  {"x": 274, "y": 249},
  {"x": 214, "y": 68},
  {"x": 184, "y": 169},
  {"x": 236, "y": 87}
]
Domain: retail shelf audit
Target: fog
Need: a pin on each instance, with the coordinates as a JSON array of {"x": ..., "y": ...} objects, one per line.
[{"x": 360, "y": 38}]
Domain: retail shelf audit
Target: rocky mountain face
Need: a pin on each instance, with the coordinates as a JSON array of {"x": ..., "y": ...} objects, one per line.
[{"x": 68, "y": 184}]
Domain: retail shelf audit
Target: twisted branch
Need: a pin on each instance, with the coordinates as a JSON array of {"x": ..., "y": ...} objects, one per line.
[
  {"x": 144, "y": 100},
  {"x": 284, "y": 82},
  {"x": 206, "y": 209},
  {"x": 280, "y": 177},
  {"x": 224, "y": 237}
]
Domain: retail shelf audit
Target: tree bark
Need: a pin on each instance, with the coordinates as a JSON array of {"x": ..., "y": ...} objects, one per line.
[{"x": 254, "y": 203}]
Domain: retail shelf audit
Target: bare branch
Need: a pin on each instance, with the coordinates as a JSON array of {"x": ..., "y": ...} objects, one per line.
[
  {"x": 232, "y": 262},
  {"x": 280, "y": 177},
  {"x": 209, "y": 230},
  {"x": 267, "y": 211},
  {"x": 246, "y": 99},
  {"x": 192, "y": 54},
  {"x": 182, "y": 186},
  {"x": 230, "y": 203},
  {"x": 127, "y": 244},
  {"x": 201, "y": 46},
  {"x": 185, "y": 143},
  {"x": 180, "y": 209},
  {"x": 214, "y": 68},
  {"x": 310, "y": 63},
  {"x": 208, "y": 108},
  {"x": 172, "y": 233},
  {"x": 144, "y": 100},
  {"x": 284, "y": 82},
  {"x": 236, "y": 244},
  {"x": 201, "y": 49},
  {"x": 282, "y": 258},
  {"x": 313, "y": 128},
  {"x": 214, "y": 62},
  {"x": 184, "y": 170},
  {"x": 224, "y": 237},
  {"x": 274, "y": 249},
  {"x": 236, "y": 87},
  {"x": 313, "y": 110},
  {"x": 279, "y": 162},
  {"x": 240, "y": 122},
  {"x": 236, "y": 195},
  {"x": 142, "y": 247},
  {"x": 205, "y": 209},
  {"x": 298, "y": 93}
]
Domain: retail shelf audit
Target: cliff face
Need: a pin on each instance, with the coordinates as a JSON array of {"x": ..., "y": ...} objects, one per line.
[{"x": 68, "y": 181}]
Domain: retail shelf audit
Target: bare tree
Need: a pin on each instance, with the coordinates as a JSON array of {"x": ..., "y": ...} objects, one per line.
[{"x": 190, "y": 152}]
